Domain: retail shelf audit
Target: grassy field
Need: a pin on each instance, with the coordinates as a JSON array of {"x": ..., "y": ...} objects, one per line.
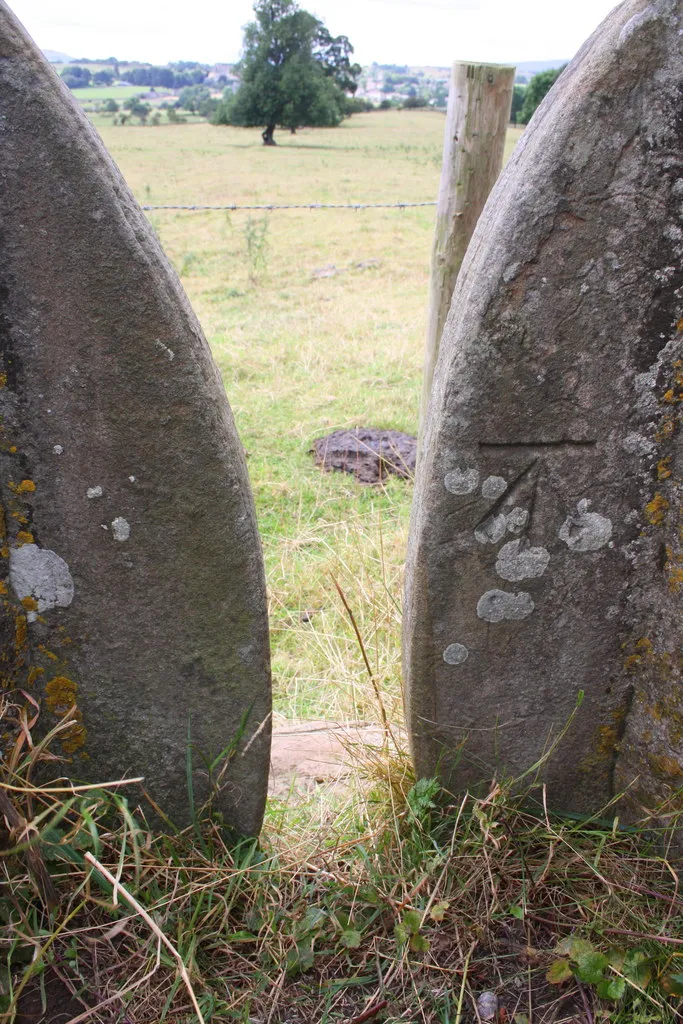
[
  {"x": 302, "y": 356},
  {"x": 108, "y": 92}
]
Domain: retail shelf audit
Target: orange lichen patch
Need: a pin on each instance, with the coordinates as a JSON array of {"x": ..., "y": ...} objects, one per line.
[
  {"x": 20, "y": 637},
  {"x": 60, "y": 694},
  {"x": 643, "y": 649},
  {"x": 4, "y": 551},
  {"x": 667, "y": 766},
  {"x": 673, "y": 567},
  {"x": 3, "y": 588},
  {"x": 25, "y": 487},
  {"x": 75, "y": 736},
  {"x": 48, "y": 654},
  {"x": 601, "y": 757},
  {"x": 607, "y": 740},
  {"x": 13, "y": 449},
  {"x": 30, "y": 604},
  {"x": 679, "y": 325},
  {"x": 3, "y": 380},
  {"x": 24, "y": 537},
  {"x": 33, "y": 674},
  {"x": 20, "y": 518},
  {"x": 664, "y": 662},
  {"x": 667, "y": 429},
  {"x": 606, "y": 743},
  {"x": 664, "y": 468},
  {"x": 14, "y": 656},
  {"x": 656, "y": 509},
  {"x": 676, "y": 579},
  {"x": 60, "y": 697}
]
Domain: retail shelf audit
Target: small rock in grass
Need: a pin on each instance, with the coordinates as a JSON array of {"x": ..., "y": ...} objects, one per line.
[{"x": 487, "y": 1005}]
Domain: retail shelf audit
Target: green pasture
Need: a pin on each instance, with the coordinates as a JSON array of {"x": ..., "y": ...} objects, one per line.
[
  {"x": 109, "y": 92},
  {"x": 303, "y": 355}
]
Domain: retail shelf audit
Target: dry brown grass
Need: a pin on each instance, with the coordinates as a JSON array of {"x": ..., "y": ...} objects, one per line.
[{"x": 397, "y": 906}]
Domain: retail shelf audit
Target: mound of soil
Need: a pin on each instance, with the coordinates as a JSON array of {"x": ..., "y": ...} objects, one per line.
[{"x": 367, "y": 452}]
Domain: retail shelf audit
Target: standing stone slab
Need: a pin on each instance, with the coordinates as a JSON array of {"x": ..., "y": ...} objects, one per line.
[
  {"x": 545, "y": 552},
  {"x": 132, "y": 586}
]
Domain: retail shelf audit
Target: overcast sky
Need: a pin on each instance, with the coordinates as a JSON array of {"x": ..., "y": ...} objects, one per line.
[{"x": 387, "y": 31}]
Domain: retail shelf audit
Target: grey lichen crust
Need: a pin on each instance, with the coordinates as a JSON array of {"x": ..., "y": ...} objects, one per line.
[
  {"x": 496, "y": 605},
  {"x": 132, "y": 572},
  {"x": 517, "y": 561},
  {"x": 41, "y": 575},
  {"x": 546, "y": 527}
]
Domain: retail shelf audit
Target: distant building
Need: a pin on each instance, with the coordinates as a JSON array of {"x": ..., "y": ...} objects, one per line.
[{"x": 223, "y": 75}]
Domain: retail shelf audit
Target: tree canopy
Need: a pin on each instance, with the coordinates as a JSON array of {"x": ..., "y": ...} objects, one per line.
[
  {"x": 538, "y": 87},
  {"x": 293, "y": 72},
  {"x": 76, "y": 77},
  {"x": 517, "y": 102},
  {"x": 198, "y": 100}
]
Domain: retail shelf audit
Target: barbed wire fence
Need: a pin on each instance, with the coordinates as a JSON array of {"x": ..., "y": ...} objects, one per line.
[{"x": 293, "y": 206}]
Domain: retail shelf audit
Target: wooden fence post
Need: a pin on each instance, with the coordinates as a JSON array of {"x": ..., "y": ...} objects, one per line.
[{"x": 479, "y": 105}]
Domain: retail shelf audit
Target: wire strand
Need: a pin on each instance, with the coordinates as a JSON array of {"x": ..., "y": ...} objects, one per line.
[{"x": 297, "y": 206}]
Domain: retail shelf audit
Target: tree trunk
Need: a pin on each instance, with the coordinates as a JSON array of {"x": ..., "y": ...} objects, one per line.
[{"x": 267, "y": 135}]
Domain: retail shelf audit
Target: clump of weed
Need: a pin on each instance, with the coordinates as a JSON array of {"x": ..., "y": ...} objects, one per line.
[
  {"x": 189, "y": 262},
  {"x": 400, "y": 903},
  {"x": 256, "y": 246}
]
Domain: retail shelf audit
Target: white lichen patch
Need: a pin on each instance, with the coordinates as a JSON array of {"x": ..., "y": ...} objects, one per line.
[
  {"x": 120, "y": 528},
  {"x": 455, "y": 654},
  {"x": 58, "y": 450},
  {"x": 461, "y": 481},
  {"x": 646, "y": 400},
  {"x": 635, "y": 23},
  {"x": 584, "y": 530},
  {"x": 41, "y": 574},
  {"x": 169, "y": 353},
  {"x": 496, "y": 605},
  {"x": 94, "y": 492},
  {"x": 491, "y": 530},
  {"x": 516, "y": 561},
  {"x": 516, "y": 520},
  {"x": 636, "y": 444},
  {"x": 493, "y": 487}
]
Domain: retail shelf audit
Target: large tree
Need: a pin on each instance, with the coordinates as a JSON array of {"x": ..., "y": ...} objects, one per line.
[
  {"x": 536, "y": 90},
  {"x": 293, "y": 72}
]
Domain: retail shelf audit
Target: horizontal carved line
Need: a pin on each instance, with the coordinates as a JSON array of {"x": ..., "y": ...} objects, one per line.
[{"x": 566, "y": 442}]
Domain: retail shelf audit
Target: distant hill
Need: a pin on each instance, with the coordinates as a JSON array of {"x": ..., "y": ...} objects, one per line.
[
  {"x": 56, "y": 58},
  {"x": 532, "y": 67}
]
